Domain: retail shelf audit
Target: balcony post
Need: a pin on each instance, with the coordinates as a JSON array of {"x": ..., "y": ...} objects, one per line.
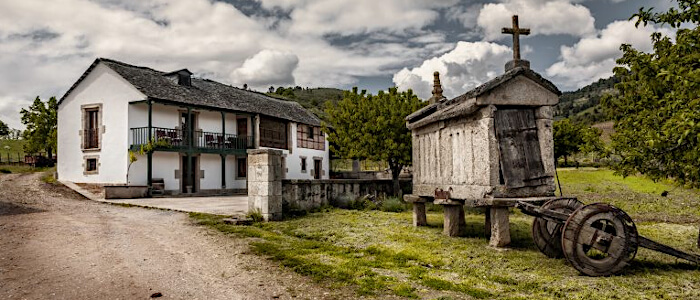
[
  {"x": 190, "y": 144},
  {"x": 149, "y": 155},
  {"x": 223, "y": 145}
]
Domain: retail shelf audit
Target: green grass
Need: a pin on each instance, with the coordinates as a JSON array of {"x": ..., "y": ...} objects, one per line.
[
  {"x": 8, "y": 169},
  {"x": 380, "y": 253},
  {"x": 636, "y": 195},
  {"x": 12, "y": 147}
]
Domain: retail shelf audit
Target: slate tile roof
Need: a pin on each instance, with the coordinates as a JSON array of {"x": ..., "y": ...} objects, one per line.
[
  {"x": 204, "y": 92},
  {"x": 444, "y": 106}
]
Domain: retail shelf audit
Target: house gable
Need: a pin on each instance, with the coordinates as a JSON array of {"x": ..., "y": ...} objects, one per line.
[{"x": 99, "y": 72}]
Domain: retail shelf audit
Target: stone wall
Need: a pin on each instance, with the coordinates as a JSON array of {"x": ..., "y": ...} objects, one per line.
[{"x": 309, "y": 194}]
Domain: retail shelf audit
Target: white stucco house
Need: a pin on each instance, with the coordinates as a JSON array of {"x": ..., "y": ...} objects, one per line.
[{"x": 200, "y": 129}]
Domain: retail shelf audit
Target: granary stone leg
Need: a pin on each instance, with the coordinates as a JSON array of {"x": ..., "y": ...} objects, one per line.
[
  {"x": 487, "y": 223},
  {"x": 419, "y": 217},
  {"x": 454, "y": 224},
  {"x": 500, "y": 227}
]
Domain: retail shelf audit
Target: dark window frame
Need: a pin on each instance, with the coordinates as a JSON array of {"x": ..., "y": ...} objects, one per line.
[{"x": 241, "y": 173}]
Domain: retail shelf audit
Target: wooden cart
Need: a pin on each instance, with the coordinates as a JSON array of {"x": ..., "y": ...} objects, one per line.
[{"x": 597, "y": 239}]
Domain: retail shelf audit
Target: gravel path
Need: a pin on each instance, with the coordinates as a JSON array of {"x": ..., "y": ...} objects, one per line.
[{"x": 56, "y": 245}]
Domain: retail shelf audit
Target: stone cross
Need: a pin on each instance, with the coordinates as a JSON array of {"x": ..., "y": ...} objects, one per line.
[{"x": 516, "y": 31}]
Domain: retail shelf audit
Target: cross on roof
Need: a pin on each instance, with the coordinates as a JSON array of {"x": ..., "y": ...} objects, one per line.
[{"x": 516, "y": 31}]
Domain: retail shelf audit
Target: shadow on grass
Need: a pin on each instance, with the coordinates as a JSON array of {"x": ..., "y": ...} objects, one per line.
[
  {"x": 647, "y": 267},
  {"x": 520, "y": 233}
]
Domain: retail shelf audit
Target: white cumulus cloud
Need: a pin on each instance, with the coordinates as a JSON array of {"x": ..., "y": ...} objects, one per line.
[
  {"x": 468, "y": 65},
  {"x": 267, "y": 67},
  {"x": 543, "y": 17},
  {"x": 594, "y": 57}
]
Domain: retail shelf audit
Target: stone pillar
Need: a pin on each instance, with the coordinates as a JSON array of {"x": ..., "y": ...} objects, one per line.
[
  {"x": 500, "y": 227},
  {"x": 454, "y": 223},
  {"x": 265, "y": 182},
  {"x": 419, "y": 217}
]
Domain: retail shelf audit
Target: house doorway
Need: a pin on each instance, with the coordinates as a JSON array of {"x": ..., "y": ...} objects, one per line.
[
  {"x": 317, "y": 169},
  {"x": 189, "y": 178}
]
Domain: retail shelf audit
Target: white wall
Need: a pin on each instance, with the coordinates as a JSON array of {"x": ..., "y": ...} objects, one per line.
[
  {"x": 293, "y": 159},
  {"x": 231, "y": 171},
  {"x": 211, "y": 165},
  {"x": 106, "y": 87}
]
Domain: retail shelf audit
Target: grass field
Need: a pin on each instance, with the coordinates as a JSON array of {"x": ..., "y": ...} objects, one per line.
[
  {"x": 11, "y": 147},
  {"x": 380, "y": 254}
]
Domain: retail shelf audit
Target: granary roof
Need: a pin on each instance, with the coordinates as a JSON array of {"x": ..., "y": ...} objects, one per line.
[
  {"x": 203, "y": 92},
  {"x": 465, "y": 104}
]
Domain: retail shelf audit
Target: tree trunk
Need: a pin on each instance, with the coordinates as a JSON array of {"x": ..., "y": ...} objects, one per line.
[{"x": 395, "y": 172}]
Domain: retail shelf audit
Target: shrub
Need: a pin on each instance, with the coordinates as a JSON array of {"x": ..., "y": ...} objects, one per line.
[
  {"x": 343, "y": 201},
  {"x": 255, "y": 215},
  {"x": 393, "y": 204},
  {"x": 5, "y": 171}
]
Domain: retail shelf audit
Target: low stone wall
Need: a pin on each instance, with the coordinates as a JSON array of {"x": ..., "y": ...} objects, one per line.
[{"x": 309, "y": 194}]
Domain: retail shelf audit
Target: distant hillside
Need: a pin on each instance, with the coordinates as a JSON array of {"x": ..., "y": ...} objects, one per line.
[
  {"x": 583, "y": 105},
  {"x": 313, "y": 99}
]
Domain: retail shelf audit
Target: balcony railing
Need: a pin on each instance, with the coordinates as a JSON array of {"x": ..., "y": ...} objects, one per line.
[{"x": 178, "y": 139}]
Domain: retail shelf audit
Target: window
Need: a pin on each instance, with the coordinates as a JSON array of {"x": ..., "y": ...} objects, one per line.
[
  {"x": 92, "y": 120},
  {"x": 242, "y": 167},
  {"x": 242, "y": 127},
  {"x": 310, "y": 137},
  {"x": 91, "y": 165},
  {"x": 311, "y": 132},
  {"x": 273, "y": 133},
  {"x": 303, "y": 164},
  {"x": 317, "y": 168}
]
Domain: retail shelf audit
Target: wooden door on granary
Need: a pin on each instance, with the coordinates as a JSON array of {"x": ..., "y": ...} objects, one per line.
[{"x": 521, "y": 159}]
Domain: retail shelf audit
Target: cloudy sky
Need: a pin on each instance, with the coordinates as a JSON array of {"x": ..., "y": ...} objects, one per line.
[{"x": 373, "y": 44}]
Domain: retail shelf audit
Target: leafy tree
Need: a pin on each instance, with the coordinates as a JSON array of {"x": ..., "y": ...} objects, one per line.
[
  {"x": 41, "y": 120},
  {"x": 657, "y": 111},
  {"x": 371, "y": 127},
  {"x": 4, "y": 129},
  {"x": 571, "y": 138}
]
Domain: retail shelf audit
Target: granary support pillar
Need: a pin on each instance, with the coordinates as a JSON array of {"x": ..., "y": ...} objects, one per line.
[
  {"x": 419, "y": 216},
  {"x": 453, "y": 211},
  {"x": 498, "y": 220}
]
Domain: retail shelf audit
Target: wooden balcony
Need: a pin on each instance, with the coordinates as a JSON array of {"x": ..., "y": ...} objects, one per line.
[{"x": 178, "y": 140}]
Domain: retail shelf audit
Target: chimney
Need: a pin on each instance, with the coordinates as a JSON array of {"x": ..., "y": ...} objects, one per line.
[{"x": 437, "y": 89}]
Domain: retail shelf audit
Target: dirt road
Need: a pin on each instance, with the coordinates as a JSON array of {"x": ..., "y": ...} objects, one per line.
[{"x": 56, "y": 245}]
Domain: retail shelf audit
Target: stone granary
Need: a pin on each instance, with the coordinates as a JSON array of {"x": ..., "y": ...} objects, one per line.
[{"x": 489, "y": 147}]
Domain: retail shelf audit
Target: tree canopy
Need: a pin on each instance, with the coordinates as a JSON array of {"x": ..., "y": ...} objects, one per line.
[
  {"x": 571, "y": 138},
  {"x": 4, "y": 129},
  {"x": 657, "y": 111},
  {"x": 41, "y": 120},
  {"x": 366, "y": 126}
]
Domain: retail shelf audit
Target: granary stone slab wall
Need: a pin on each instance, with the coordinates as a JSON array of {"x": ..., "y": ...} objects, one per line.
[
  {"x": 460, "y": 153},
  {"x": 543, "y": 117},
  {"x": 309, "y": 194}
]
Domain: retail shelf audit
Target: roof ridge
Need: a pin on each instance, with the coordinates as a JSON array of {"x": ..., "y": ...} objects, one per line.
[{"x": 104, "y": 59}]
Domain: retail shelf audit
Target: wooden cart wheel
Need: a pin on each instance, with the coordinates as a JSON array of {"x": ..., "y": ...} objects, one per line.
[
  {"x": 547, "y": 234},
  {"x": 599, "y": 239}
]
